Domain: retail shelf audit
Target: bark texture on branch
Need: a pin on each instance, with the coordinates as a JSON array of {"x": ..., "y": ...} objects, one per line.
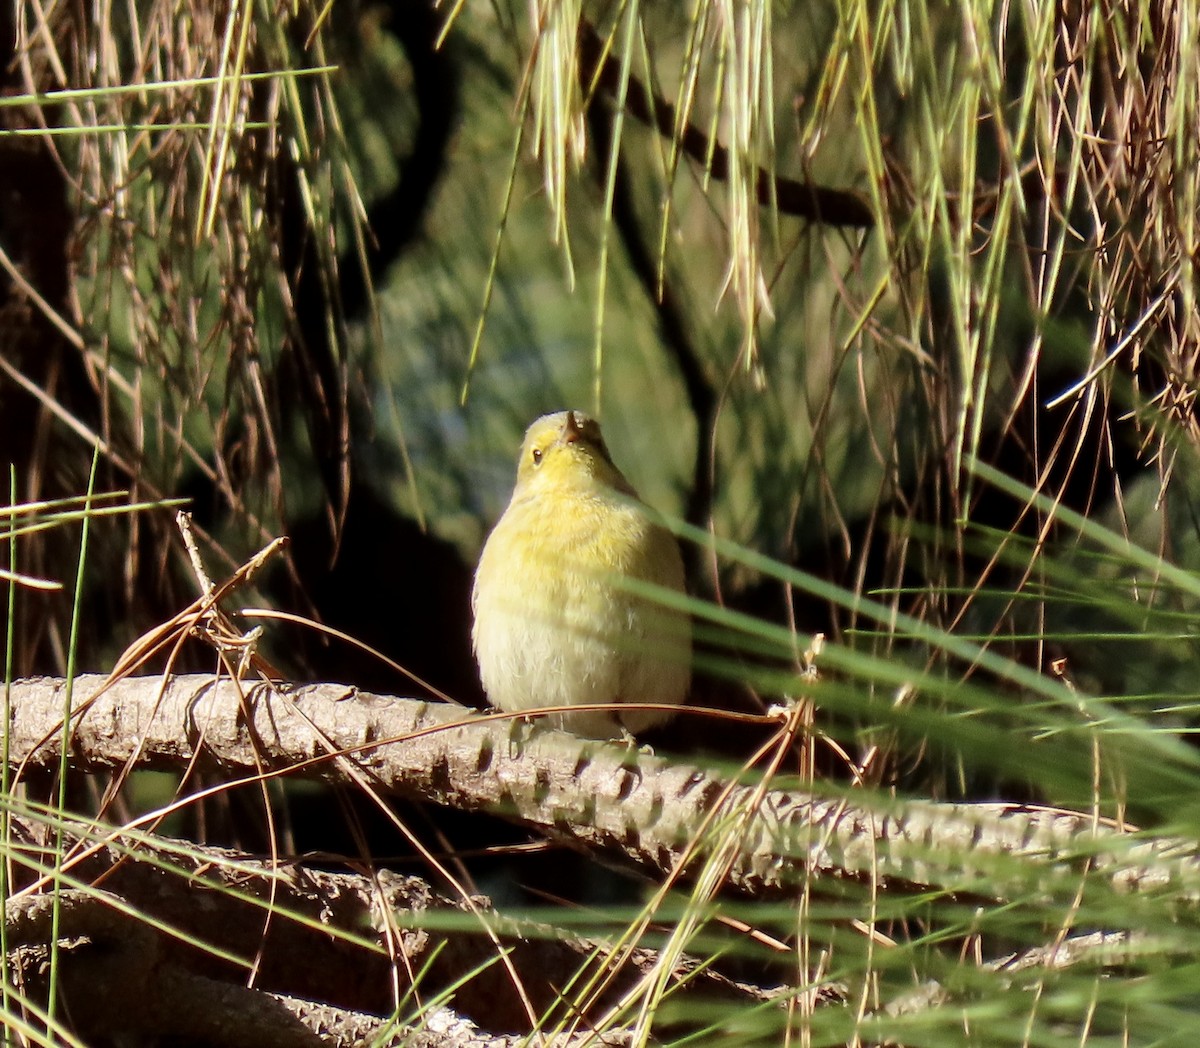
[
  {"x": 307, "y": 936},
  {"x": 115, "y": 983},
  {"x": 594, "y": 794}
]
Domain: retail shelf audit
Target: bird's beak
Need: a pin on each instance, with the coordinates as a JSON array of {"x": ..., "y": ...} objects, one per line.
[{"x": 571, "y": 429}]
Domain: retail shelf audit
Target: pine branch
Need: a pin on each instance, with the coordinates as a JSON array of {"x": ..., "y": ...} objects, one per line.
[
  {"x": 346, "y": 938},
  {"x": 115, "y": 983},
  {"x": 592, "y": 795}
]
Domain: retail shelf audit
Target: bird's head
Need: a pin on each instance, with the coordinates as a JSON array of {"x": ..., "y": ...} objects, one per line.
[{"x": 566, "y": 450}]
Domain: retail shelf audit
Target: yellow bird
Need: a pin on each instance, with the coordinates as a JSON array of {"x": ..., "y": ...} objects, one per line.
[{"x": 554, "y": 625}]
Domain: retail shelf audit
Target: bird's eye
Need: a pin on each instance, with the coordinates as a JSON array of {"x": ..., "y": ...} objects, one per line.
[{"x": 537, "y": 456}]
